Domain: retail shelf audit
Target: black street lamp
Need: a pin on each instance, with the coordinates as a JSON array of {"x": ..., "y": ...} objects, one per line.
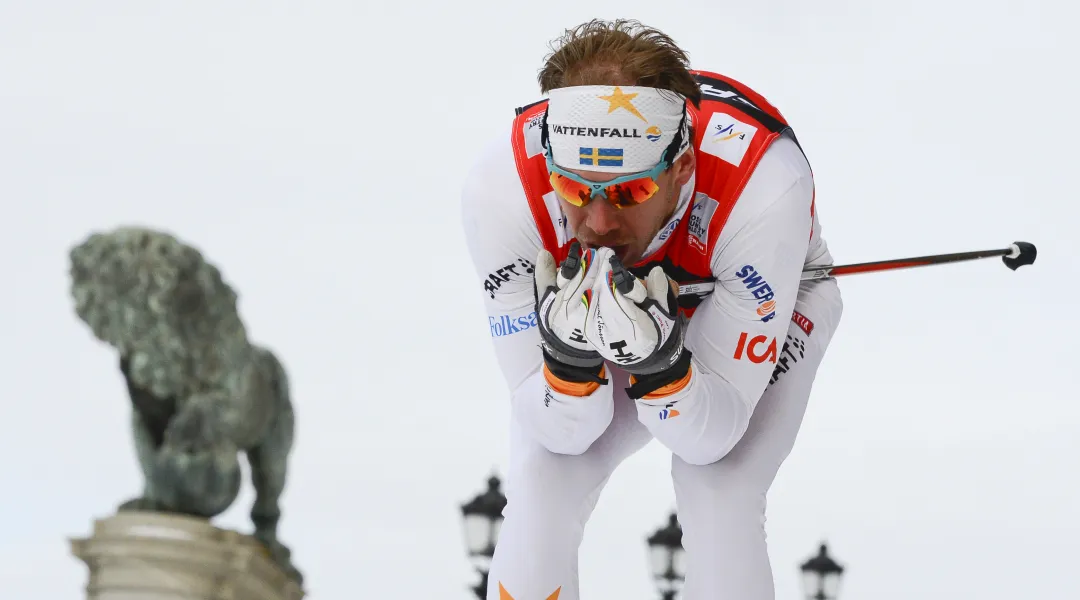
[
  {"x": 667, "y": 558},
  {"x": 821, "y": 576},
  {"x": 482, "y": 519}
]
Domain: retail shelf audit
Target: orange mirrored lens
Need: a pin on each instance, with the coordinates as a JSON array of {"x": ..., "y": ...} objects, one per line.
[
  {"x": 572, "y": 191},
  {"x": 631, "y": 192},
  {"x": 627, "y": 193}
]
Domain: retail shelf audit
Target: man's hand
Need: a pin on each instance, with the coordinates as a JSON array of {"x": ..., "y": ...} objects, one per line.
[
  {"x": 636, "y": 324},
  {"x": 561, "y": 310}
]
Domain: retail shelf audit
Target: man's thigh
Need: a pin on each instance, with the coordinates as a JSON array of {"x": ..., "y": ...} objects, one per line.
[
  {"x": 549, "y": 499},
  {"x": 624, "y": 436},
  {"x": 722, "y": 505},
  {"x": 778, "y": 416}
]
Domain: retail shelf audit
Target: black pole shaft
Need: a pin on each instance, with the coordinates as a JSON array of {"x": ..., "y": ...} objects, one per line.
[{"x": 1027, "y": 253}]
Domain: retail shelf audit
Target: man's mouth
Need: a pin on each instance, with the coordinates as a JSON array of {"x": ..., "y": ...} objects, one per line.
[{"x": 620, "y": 250}]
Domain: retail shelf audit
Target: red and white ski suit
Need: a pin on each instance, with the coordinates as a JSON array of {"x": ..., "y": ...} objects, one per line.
[{"x": 745, "y": 228}]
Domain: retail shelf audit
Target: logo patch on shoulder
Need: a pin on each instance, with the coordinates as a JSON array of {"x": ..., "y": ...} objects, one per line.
[
  {"x": 700, "y": 215},
  {"x": 531, "y": 131},
  {"x": 761, "y": 291},
  {"x": 727, "y": 138}
]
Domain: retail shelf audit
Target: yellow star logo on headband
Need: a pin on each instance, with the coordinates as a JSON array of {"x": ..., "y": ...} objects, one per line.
[
  {"x": 505, "y": 595},
  {"x": 618, "y": 100}
]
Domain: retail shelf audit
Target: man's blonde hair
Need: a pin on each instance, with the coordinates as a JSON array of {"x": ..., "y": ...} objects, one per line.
[{"x": 620, "y": 52}]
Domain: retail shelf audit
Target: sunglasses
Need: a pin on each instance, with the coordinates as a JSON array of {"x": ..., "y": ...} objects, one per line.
[{"x": 621, "y": 192}]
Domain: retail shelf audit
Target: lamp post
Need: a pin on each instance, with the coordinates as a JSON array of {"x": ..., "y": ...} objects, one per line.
[
  {"x": 666, "y": 558},
  {"x": 482, "y": 518},
  {"x": 821, "y": 576}
]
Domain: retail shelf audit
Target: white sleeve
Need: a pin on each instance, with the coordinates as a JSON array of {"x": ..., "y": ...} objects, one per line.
[
  {"x": 503, "y": 243},
  {"x": 736, "y": 334}
]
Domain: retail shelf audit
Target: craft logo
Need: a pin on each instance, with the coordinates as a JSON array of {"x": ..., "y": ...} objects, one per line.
[
  {"x": 601, "y": 157},
  {"x": 653, "y": 133},
  {"x": 757, "y": 349},
  {"x": 728, "y": 138},
  {"x": 518, "y": 268},
  {"x": 504, "y": 325},
  {"x": 598, "y": 132},
  {"x": 788, "y": 357},
  {"x": 761, "y": 290}
]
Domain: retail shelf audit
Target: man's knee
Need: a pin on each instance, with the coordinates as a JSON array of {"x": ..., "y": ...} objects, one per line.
[
  {"x": 552, "y": 484},
  {"x": 718, "y": 504},
  {"x": 728, "y": 477}
]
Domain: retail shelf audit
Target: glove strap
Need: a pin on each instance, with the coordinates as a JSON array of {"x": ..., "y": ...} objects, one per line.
[
  {"x": 644, "y": 385},
  {"x": 574, "y": 373}
]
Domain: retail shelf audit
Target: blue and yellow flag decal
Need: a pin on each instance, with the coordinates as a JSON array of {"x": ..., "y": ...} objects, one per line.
[{"x": 601, "y": 157}]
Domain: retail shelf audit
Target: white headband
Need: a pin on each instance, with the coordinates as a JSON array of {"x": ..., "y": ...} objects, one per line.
[{"x": 613, "y": 129}]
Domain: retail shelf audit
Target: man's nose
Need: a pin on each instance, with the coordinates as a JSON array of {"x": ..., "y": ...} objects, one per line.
[{"x": 601, "y": 217}]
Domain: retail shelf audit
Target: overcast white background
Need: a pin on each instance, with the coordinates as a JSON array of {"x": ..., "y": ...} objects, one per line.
[{"x": 315, "y": 152}]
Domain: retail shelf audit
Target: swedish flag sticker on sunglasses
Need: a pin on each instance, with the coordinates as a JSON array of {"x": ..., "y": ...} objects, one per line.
[{"x": 601, "y": 157}]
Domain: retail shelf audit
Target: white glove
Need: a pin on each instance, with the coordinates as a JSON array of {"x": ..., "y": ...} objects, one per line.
[
  {"x": 636, "y": 324},
  {"x": 561, "y": 309}
]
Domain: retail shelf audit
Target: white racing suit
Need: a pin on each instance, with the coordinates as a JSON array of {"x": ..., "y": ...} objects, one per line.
[{"x": 729, "y": 430}]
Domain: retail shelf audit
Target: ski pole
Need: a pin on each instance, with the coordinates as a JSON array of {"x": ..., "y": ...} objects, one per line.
[{"x": 1015, "y": 256}]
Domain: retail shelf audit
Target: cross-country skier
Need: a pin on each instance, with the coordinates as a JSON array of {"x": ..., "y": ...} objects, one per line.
[{"x": 634, "y": 178}]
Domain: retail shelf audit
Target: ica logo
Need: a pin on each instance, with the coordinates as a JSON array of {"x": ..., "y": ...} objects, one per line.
[{"x": 757, "y": 349}]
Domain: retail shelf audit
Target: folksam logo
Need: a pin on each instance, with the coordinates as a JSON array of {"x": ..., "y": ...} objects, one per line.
[
  {"x": 761, "y": 290},
  {"x": 504, "y": 325}
]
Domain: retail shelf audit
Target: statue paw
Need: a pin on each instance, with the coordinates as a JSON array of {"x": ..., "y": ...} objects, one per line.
[
  {"x": 201, "y": 483},
  {"x": 140, "y": 503},
  {"x": 281, "y": 555}
]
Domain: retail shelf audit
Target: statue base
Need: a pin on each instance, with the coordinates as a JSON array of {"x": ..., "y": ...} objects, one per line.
[{"x": 162, "y": 556}]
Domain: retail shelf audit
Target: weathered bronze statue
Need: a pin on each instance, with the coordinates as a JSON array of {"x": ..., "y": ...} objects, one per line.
[{"x": 201, "y": 391}]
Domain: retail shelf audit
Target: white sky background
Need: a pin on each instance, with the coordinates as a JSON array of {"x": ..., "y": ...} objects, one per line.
[{"x": 315, "y": 152}]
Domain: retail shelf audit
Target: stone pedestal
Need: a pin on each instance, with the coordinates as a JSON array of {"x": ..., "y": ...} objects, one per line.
[{"x": 156, "y": 556}]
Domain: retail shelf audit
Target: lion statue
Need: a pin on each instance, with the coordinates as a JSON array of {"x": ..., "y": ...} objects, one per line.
[{"x": 201, "y": 391}]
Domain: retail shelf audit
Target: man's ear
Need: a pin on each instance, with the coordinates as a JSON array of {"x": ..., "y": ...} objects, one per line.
[{"x": 684, "y": 167}]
